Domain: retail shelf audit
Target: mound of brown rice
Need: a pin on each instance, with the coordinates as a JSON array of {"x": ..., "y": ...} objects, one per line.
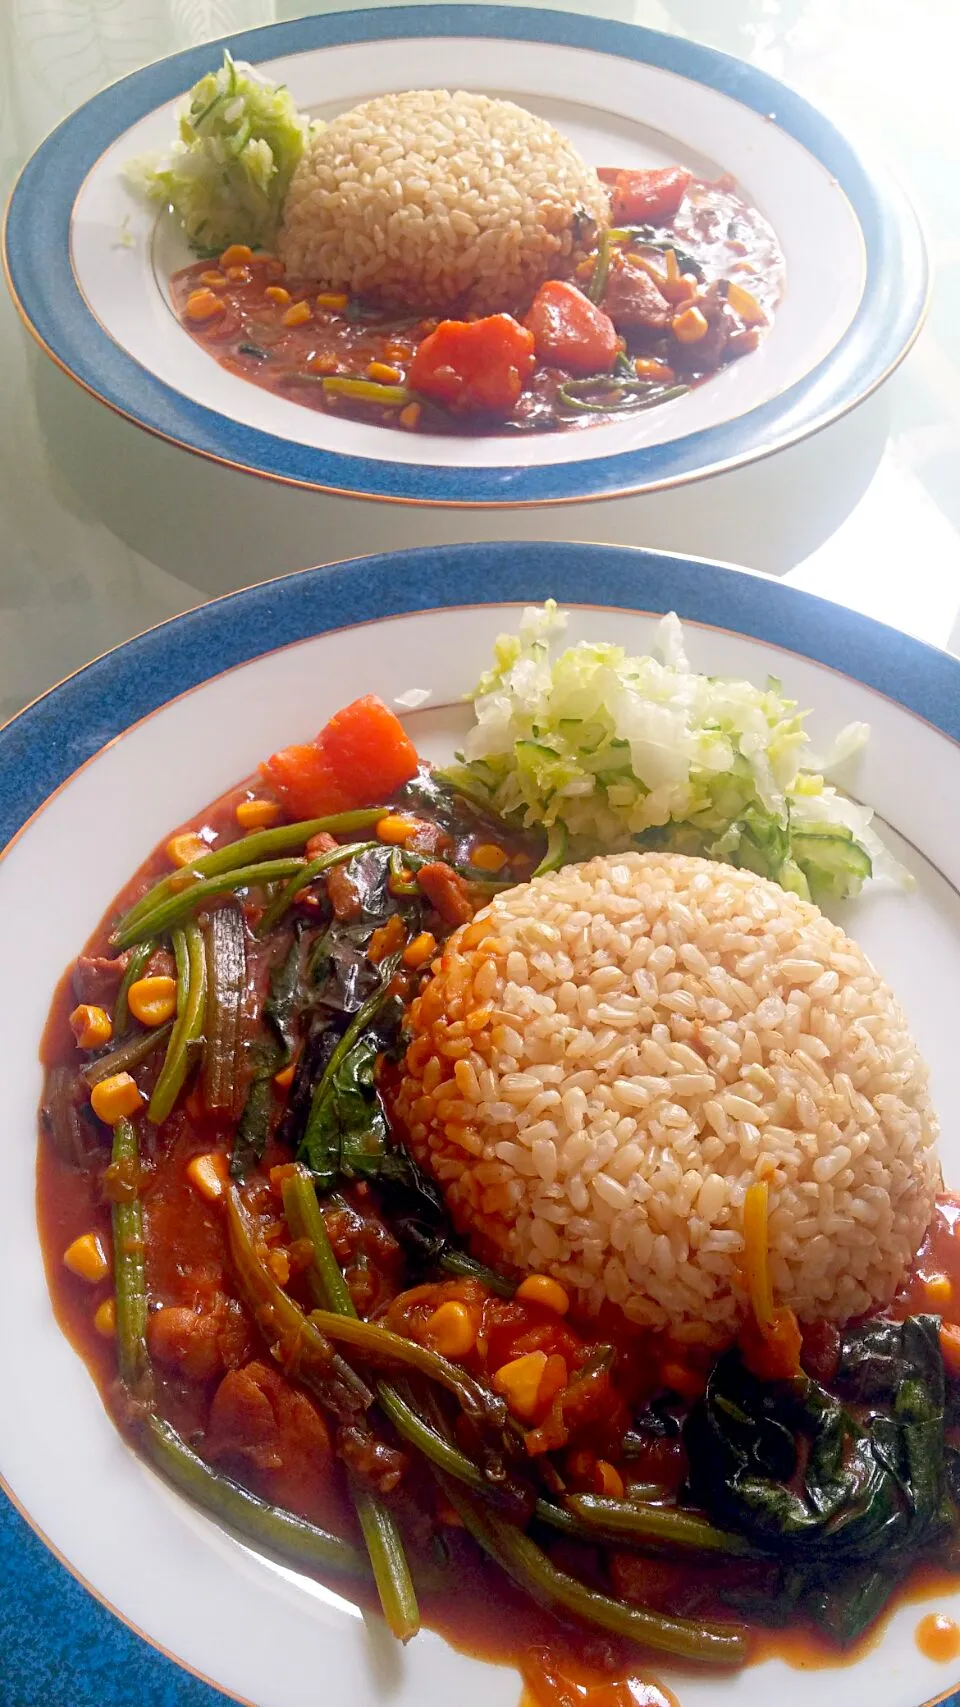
[
  {"x": 433, "y": 200},
  {"x": 608, "y": 1056}
]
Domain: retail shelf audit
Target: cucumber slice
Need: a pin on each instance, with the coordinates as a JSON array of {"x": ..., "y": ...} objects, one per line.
[{"x": 832, "y": 861}]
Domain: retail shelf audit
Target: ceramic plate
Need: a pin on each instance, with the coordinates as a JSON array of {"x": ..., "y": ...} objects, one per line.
[
  {"x": 91, "y": 777},
  {"x": 89, "y": 266}
]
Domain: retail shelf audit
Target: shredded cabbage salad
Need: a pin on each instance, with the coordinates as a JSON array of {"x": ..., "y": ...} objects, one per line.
[
  {"x": 227, "y": 176},
  {"x": 610, "y": 752}
]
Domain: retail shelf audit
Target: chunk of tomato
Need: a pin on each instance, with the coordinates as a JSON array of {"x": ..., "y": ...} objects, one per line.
[
  {"x": 648, "y": 198},
  {"x": 571, "y": 332},
  {"x": 476, "y": 367}
]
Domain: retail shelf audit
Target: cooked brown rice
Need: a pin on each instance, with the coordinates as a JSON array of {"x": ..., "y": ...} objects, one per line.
[
  {"x": 608, "y": 1056},
  {"x": 435, "y": 200}
]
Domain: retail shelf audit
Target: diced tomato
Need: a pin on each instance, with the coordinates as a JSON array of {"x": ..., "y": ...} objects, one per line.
[
  {"x": 303, "y": 777},
  {"x": 571, "y": 331},
  {"x": 648, "y": 198},
  {"x": 476, "y": 367},
  {"x": 368, "y": 750},
  {"x": 360, "y": 758}
]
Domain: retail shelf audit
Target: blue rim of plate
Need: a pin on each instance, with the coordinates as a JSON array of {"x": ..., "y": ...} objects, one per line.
[
  {"x": 36, "y": 251},
  {"x": 67, "y": 1635}
]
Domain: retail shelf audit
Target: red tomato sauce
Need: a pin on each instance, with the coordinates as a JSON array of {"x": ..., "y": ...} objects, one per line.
[
  {"x": 347, "y": 357},
  {"x": 218, "y": 1385}
]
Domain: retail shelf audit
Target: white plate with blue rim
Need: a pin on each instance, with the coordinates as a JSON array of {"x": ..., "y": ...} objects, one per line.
[
  {"x": 89, "y": 267},
  {"x": 91, "y": 777}
]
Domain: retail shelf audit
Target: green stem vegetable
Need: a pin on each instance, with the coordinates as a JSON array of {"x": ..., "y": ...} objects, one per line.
[
  {"x": 130, "y": 1280},
  {"x": 305, "y": 875},
  {"x": 226, "y": 961},
  {"x": 530, "y": 1567},
  {"x": 248, "y": 850},
  {"x": 135, "y": 965},
  {"x": 191, "y": 994},
  {"x": 130, "y": 1053},
  {"x": 384, "y": 1544},
  {"x": 185, "y": 902},
  {"x": 289, "y": 1538}
]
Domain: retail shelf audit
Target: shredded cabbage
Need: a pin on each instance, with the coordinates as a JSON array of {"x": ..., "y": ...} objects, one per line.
[
  {"x": 226, "y": 178},
  {"x": 622, "y": 752}
]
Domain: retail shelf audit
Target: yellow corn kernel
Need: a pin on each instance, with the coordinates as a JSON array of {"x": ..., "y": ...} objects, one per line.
[
  {"x": 278, "y": 1262},
  {"x": 105, "y": 1318},
  {"x": 420, "y": 950},
  {"x": 744, "y": 303},
  {"x": 87, "y": 1259},
  {"x": 277, "y": 294},
  {"x": 284, "y": 1079},
  {"x": 238, "y": 275},
  {"x": 452, "y": 1329},
  {"x": 186, "y": 849},
  {"x": 608, "y": 1480},
  {"x": 519, "y": 1382},
  {"x": 208, "y": 1175},
  {"x": 257, "y": 814},
  {"x": 112, "y": 1098},
  {"x": 237, "y": 255},
  {"x": 396, "y": 830},
  {"x": 384, "y": 374},
  {"x": 690, "y": 326},
  {"x": 410, "y": 416},
  {"x": 488, "y": 857},
  {"x": 203, "y": 305},
  {"x": 335, "y": 301},
  {"x": 938, "y": 1290},
  {"x": 541, "y": 1289},
  {"x": 91, "y": 1026},
  {"x": 153, "y": 1000},
  {"x": 214, "y": 280},
  {"x": 323, "y": 364},
  {"x": 298, "y": 315}
]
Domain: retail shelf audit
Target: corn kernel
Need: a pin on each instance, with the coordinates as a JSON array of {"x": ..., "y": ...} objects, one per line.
[
  {"x": 208, "y": 1175},
  {"x": 420, "y": 950},
  {"x": 298, "y": 314},
  {"x": 452, "y": 1329},
  {"x": 744, "y": 303},
  {"x": 396, "y": 830},
  {"x": 323, "y": 364},
  {"x": 203, "y": 305},
  {"x": 91, "y": 1026},
  {"x": 488, "y": 857},
  {"x": 607, "y": 1480},
  {"x": 186, "y": 849},
  {"x": 284, "y": 1079},
  {"x": 384, "y": 374},
  {"x": 153, "y": 1000},
  {"x": 105, "y": 1318},
  {"x": 87, "y": 1259},
  {"x": 541, "y": 1289},
  {"x": 115, "y": 1097},
  {"x": 335, "y": 301},
  {"x": 257, "y": 814},
  {"x": 938, "y": 1290},
  {"x": 277, "y": 294},
  {"x": 519, "y": 1382},
  {"x": 236, "y": 255},
  {"x": 214, "y": 280},
  {"x": 410, "y": 416},
  {"x": 690, "y": 326}
]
